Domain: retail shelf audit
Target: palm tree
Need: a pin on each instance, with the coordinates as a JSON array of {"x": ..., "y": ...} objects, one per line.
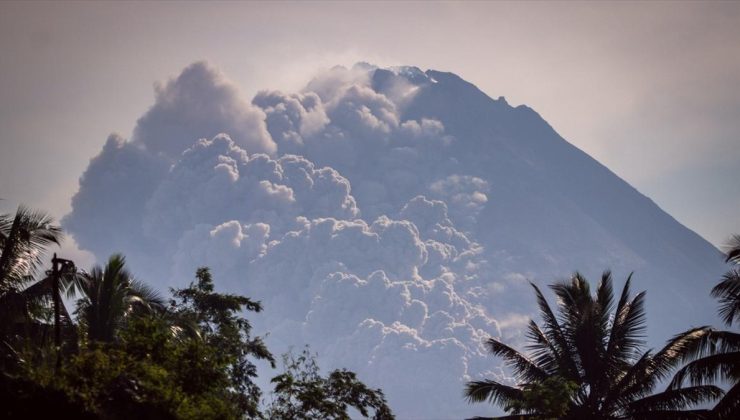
[
  {"x": 715, "y": 356},
  {"x": 598, "y": 351},
  {"x": 110, "y": 297},
  {"x": 24, "y": 238},
  {"x": 728, "y": 290}
]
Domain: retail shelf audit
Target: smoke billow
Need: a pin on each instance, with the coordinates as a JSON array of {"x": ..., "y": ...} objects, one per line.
[
  {"x": 387, "y": 217},
  {"x": 373, "y": 274}
]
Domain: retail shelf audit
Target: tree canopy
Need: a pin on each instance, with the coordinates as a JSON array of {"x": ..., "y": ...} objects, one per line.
[
  {"x": 130, "y": 353},
  {"x": 594, "y": 348},
  {"x": 714, "y": 357},
  {"x": 302, "y": 393}
]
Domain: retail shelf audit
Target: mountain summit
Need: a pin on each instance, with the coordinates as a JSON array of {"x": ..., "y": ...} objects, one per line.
[{"x": 390, "y": 218}]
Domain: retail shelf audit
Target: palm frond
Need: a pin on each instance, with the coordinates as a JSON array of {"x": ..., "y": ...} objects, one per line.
[
  {"x": 72, "y": 284},
  {"x": 556, "y": 336},
  {"x": 729, "y": 406},
  {"x": 696, "y": 344},
  {"x": 494, "y": 392},
  {"x": 525, "y": 369},
  {"x": 635, "y": 383},
  {"x": 628, "y": 330},
  {"x": 23, "y": 242},
  {"x": 6, "y": 221},
  {"x": 673, "y": 399},
  {"x": 709, "y": 369},
  {"x": 110, "y": 297},
  {"x": 681, "y": 348},
  {"x": 150, "y": 299},
  {"x": 579, "y": 321},
  {"x": 728, "y": 294},
  {"x": 181, "y": 327},
  {"x": 617, "y": 324},
  {"x": 673, "y": 415},
  {"x": 574, "y": 298},
  {"x": 605, "y": 298},
  {"x": 544, "y": 353},
  {"x": 733, "y": 250}
]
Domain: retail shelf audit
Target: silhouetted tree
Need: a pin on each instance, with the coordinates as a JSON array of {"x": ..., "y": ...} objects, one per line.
[
  {"x": 550, "y": 399},
  {"x": 191, "y": 359},
  {"x": 222, "y": 328},
  {"x": 600, "y": 353},
  {"x": 24, "y": 238},
  {"x": 728, "y": 290},
  {"x": 110, "y": 296},
  {"x": 714, "y": 357},
  {"x": 302, "y": 393}
]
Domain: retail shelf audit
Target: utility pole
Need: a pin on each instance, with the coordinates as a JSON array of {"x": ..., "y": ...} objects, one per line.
[
  {"x": 59, "y": 266},
  {"x": 57, "y": 312}
]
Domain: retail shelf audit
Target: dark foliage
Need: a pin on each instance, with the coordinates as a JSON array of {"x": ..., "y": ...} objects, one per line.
[
  {"x": 714, "y": 357},
  {"x": 302, "y": 393},
  {"x": 27, "y": 399},
  {"x": 24, "y": 238},
  {"x": 217, "y": 316},
  {"x": 728, "y": 290},
  {"x": 596, "y": 346}
]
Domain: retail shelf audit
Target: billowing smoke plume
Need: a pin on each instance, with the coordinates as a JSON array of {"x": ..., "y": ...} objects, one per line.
[
  {"x": 199, "y": 103},
  {"x": 381, "y": 215},
  {"x": 373, "y": 274}
]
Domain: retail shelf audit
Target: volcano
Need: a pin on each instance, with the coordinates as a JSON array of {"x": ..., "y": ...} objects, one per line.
[{"x": 392, "y": 218}]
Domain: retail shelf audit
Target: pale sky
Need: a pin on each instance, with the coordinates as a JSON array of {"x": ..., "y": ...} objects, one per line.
[{"x": 650, "y": 90}]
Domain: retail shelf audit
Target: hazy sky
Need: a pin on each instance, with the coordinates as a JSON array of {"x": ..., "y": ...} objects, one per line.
[{"x": 650, "y": 90}]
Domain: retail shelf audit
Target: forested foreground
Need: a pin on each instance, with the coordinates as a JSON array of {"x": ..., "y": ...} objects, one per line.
[
  {"x": 588, "y": 361},
  {"x": 123, "y": 350}
]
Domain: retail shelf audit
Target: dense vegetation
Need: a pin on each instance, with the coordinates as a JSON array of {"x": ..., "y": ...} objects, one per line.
[
  {"x": 129, "y": 353},
  {"x": 587, "y": 361}
]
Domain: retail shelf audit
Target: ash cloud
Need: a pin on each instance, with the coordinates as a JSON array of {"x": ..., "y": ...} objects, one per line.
[
  {"x": 108, "y": 209},
  {"x": 352, "y": 120},
  {"x": 200, "y": 103},
  {"x": 368, "y": 270},
  {"x": 380, "y": 215}
]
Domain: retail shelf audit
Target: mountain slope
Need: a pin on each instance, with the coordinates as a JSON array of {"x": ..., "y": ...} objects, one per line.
[
  {"x": 388, "y": 217},
  {"x": 553, "y": 198}
]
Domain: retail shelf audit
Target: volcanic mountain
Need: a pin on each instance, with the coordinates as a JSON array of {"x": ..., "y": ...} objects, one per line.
[{"x": 390, "y": 218}]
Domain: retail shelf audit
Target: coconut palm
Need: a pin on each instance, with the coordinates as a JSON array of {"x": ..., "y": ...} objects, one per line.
[
  {"x": 728, "y": 290},
  {"x": 24, "y": 238},
  {"x": 110, "y": 296},
  {"x": 715, "y": 356},
  {"x": 600, "y": 352}
]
